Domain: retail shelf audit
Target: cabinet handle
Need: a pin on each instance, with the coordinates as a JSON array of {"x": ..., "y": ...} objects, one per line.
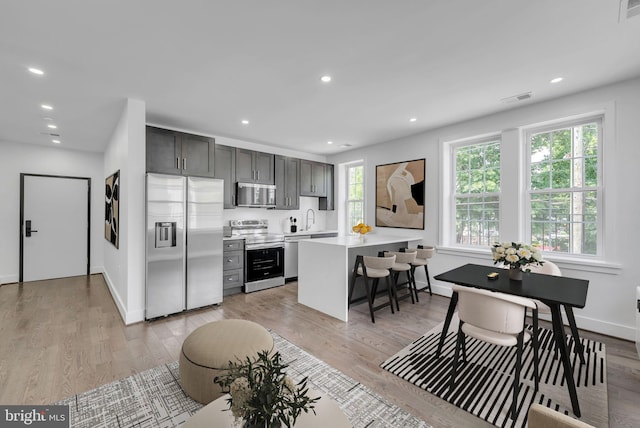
[
  {"x": 177, "y": 163},
  {"x": 229, "y": 260},
  {"x": 184, "y": 163},
  {"x": 258, "y": 174}
]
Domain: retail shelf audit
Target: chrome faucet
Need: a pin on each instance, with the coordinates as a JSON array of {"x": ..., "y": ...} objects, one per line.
[{"x": 314, "y": 218}]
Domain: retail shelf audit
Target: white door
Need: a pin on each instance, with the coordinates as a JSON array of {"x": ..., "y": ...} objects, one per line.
[{"x": 56, "y": 212}]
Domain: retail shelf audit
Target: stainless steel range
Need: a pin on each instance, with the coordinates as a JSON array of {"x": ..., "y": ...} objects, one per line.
[{"x": 263, "y": 254}]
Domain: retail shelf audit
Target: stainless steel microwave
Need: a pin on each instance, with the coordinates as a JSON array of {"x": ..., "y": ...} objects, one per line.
[{"x": 256, "y": 195}]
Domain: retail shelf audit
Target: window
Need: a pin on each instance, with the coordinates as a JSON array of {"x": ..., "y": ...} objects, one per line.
[
  {"x": 477, "y": 192},
  {"x": 355, "y": 195},
  {"x": 564, "y": 187}
]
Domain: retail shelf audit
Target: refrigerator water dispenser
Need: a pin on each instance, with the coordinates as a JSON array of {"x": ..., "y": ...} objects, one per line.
[{"x": 165, "y": 234}]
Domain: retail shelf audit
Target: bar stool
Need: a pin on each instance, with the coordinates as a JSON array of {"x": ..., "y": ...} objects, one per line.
[
  {"x": 422, "y": 259},
  {"x": 403, "y": 264},
  {"x": 370, "y": 267}
]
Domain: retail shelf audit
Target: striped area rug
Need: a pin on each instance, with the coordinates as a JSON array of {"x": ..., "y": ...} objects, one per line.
[{"x": 483, "y": 383}]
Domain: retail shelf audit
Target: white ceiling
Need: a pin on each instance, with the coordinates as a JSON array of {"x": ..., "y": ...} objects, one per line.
[{"x": 205, "y": 65}]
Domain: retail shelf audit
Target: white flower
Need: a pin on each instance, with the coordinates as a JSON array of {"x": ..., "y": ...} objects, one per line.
[
  {"x": 240, "y": 392},
  {"x": 510, "y": 251},
  {"x": 512, "y": 258},
  {"x": 524, "y": 253},
  {"x": 506, "y": 244},
  {"x": 289, "y": 386},
  {"x": 537, "y": 254}
]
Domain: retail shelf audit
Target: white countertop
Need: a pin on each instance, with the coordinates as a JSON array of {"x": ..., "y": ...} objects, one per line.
[
  {"x": 369, "y": 240},
  {"x": 310, "y": 232}
]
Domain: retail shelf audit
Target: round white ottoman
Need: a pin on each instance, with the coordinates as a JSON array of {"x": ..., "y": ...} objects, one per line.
[{"x": 206, "y": 352}]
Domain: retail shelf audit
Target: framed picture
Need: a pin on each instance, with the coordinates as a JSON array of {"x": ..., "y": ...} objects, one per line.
[
  {"x": 400, "y": 194},
  {"x": 112, "y": 209}
]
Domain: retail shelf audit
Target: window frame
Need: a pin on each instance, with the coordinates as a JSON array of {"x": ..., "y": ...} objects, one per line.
[
  {"x": 347, "y": 201},
  {"x": 453, "y": 147},
  {"x": 527, "y": 133}
]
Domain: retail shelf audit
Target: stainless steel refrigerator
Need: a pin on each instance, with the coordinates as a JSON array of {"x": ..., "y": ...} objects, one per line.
[{"x": 184, "y": 243}]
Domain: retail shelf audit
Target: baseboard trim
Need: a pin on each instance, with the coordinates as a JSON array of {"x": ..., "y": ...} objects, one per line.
[
  {"x": 8, "y": 279},
  {"x": 116, "y": 297}
]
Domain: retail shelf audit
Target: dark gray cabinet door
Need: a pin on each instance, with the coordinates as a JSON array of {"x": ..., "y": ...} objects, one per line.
[
  {"x": 312, "y": 178},
  {"x": 197, "y": 155},
  {"x": 225, "y": 169},
  {"x": 172, "y": 152},
  {"x": 254, "y": 167},
  {"x": 244, "y": 166},
  {"x": 286, "y": 180},
  {"x": 164, "y": 151},
  {"x": 263, "y": 164},
  {"x": 328, "y": 203}
]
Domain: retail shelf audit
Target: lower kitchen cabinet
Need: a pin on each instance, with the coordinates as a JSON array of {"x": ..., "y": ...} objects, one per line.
[{"x": 233, "y": 266}]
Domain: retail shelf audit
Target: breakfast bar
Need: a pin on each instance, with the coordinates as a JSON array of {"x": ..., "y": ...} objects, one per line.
[{"x": 324, "y": 268}]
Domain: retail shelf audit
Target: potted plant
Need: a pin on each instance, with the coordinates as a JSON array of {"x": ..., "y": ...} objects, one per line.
[{"x": 262, "y": 395}]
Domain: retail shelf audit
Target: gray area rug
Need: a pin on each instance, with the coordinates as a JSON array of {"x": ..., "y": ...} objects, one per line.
[
  {"x": 154, "y": 398},
  {"x": 483, "y": 383}
]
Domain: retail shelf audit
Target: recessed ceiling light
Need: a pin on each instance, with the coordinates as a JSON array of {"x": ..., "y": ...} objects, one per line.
[
  {"x": 326, "y": 79},
  {"x": 556, "y": 80},
  {"x": 55, "y": 141},
  {"x": 36, "y": 71},
  {"x": 245, "y": 122},
  {"x": 46, "y": 107},
  {"x": 52, "y": 126},
  {"x": 413, "y": 119},
  {"x": 329, "y": 142}
]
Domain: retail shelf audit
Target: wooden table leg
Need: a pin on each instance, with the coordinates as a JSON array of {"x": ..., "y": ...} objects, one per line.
[
  {"x": 561, "y": 343},
  {"x": 447, "y": 321}
]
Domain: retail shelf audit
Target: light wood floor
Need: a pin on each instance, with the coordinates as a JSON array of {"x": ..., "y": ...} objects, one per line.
[{"x": 62, "y": 337}]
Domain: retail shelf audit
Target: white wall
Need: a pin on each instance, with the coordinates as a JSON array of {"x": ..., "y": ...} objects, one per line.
[
  {"x": 19, "y": 158},
  {"x": 124, "y": 267},
  {"x": 611, "y": 299}
]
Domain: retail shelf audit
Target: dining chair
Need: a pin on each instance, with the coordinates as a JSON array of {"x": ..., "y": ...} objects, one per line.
[
  {"x": 550, "y": 268},
  {"x": 404, "y": 259},
  {"x": 374, "y": 268},
  {"x": 423, "y": 254},
  {"x": 499, "y": 319}
]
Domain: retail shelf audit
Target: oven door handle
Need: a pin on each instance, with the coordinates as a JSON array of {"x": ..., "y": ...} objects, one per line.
[{"x": 263, "y": 246}]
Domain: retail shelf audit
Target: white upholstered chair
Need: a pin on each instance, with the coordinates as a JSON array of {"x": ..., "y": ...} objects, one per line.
[
  {"x": 424, "y": 253},
  {"x": 403, "y": 264},
  {"x": 543, "y": 417},
  {"x": 498, "y": 319},
  {"x": 374, "y": 268}
]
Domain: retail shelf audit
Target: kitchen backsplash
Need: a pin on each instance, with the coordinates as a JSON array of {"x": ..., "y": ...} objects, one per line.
[{"x": 277, "y": 218}]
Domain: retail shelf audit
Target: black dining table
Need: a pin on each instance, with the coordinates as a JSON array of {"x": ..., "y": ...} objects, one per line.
[{"x": 555, "y": 291}]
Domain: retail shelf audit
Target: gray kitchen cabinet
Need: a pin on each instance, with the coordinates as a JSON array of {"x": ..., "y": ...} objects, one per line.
[
  {"x": 312, "y": 178},
  {"x": 225, "y": 169},
  {"x": 254, "y": 167},
  {"x": 287, "y": 171},
  {"x": 173, "y": 152},
  {"x": 328, "y": 203},
  {"x": 232, "y": 266}
]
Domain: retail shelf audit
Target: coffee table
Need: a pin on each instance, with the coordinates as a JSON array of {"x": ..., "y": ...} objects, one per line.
[{"x": 328, "y": 414}]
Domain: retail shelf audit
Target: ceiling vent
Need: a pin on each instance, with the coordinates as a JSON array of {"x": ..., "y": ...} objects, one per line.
[
  {"x": 517, "y": 98},
  {"x": 50, "y": 134},
  {"x": 629, "y": 9},
  {"x": 345, "y": 145}
]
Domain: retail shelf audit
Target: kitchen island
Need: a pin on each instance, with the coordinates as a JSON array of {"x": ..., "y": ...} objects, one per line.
[{"x": 325, "y": 266}]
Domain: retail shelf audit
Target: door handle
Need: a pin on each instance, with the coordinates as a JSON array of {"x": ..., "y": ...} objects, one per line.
[
  {"x": 28, "y": 231},
  {"x": 184, "y": 164}
]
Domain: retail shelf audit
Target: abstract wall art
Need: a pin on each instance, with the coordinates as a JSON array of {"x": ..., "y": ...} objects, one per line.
[
  {"x": 400, "y": 194},
  {"x": 112, "y": 209}
]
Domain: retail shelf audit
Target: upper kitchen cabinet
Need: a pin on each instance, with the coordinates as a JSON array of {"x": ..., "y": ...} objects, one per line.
[
  {"x": 287, "y": 171},
  {"x": 225, "y": 169},
  {"x": 313, "y": 178},
  {"x": 172, "y": 152},
  {"x": 328, "y": 203},
  {"x": 254, "y": 167}
]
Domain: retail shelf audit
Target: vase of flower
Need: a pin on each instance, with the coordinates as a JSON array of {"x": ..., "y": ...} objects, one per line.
[
  {"x": 516, "y": 256},
  {"x": 515, "y": 274}
]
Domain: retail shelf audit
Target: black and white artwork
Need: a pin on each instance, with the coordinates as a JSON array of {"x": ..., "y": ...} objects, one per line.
[{"x": 112, "y": 209}]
